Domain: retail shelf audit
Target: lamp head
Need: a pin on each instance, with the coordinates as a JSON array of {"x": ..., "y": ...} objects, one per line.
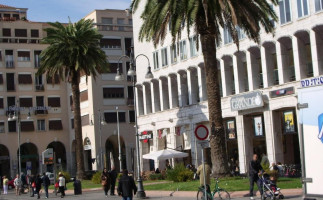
[
  {"x": 149, "y": 74},
  {"x": 119, "y": 76},
  {"x": 28, "y": 116},
  {"x": 103, "y": 122},
  {"x": 131, "y": 71}
]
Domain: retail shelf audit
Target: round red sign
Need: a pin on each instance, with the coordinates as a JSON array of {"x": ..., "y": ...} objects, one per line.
[{"x": 201, "y": 132}]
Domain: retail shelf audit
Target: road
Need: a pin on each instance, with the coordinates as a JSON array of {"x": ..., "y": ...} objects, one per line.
[{"x": 98, "y": 195}]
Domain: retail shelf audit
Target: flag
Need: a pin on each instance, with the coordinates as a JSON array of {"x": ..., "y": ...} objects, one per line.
[
  {"x": 145, "y": 133},
  {"x": 159, "y": 133}
]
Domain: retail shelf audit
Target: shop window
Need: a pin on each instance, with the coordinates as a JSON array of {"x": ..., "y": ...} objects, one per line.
[
  {"x": 164, "y": 57},
  {"x": 12, "y": 126},
  {"x": 156, "y": 61},
  {"x": 23, "y": 55},
  {"x": 284, "y": 11},
  {"x": 258, "y": 124},
  {"x": 26, "y": 102},
  {"x": 110, "y": 93},
  {"x": 85, "y": 120},
  {"x": 110, "y": 43},
  {"x": 54, "y": 101},
  {"x": 24, "y": 79},
  {"x": 2, "y": 130},
  {"x": 289, "y": 122},
  {"x": 41, "y": 126},
  {"x": 55, "y": 125},
  {"x": 27, "y": 126},
  {"x": 111, "y": 117}
]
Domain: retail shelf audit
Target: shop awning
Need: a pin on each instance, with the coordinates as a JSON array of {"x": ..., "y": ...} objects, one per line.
[{"x": 165, "y": 154}]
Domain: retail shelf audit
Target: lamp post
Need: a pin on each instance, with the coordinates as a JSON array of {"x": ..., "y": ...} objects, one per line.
[
  {"x": 119, "y": 77},
  {"x": 101, "y": 123},
  {"x": 119, "y": 145}
]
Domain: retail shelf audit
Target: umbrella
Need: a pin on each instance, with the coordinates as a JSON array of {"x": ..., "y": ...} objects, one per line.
[{"x": 165, "y": 154}]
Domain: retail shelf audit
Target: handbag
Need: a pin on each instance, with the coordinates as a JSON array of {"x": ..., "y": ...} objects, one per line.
[
  {"x": 33, "y": 185},
  {"x": 56, "y": 185},
  {"x": 104, "y": 182}
]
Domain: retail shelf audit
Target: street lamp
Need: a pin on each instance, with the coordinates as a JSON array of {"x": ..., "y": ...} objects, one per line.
[
  {"x": 119, "y": 77},
  {"x": 119, "y": 145},
  {"x": 101, "y": 123}
]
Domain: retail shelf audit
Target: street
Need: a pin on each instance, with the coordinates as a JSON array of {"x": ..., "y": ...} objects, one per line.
[{"x": 96, "y": 195}]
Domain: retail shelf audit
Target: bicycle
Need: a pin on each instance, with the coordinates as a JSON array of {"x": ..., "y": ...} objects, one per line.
[{"x": 218, "y": 193}]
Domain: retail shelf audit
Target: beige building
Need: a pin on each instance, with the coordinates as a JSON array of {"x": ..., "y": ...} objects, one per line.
[{"x": 50, "y": 124}]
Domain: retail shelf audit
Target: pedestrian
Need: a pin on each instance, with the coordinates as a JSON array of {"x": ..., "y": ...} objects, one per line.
[
  {"x": 38, "y": 183},
  {"x": 5, "y": 185},
  {"x": 126, "y": 186},
  {"x": 61, "y": 184},
  {"x": 17, "y": 184},
  {"x": 46, "y": 183},
  {"x": 105, "y": 181},
  {"x": 32, "y": 185},
  {"x": 113, "y": 177},
  {"x": 200, "y": 173},
  {"x": 255, "y": 170}
]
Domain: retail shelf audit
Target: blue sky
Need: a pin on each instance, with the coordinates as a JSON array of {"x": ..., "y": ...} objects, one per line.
[{"x": 60, "y": 10}]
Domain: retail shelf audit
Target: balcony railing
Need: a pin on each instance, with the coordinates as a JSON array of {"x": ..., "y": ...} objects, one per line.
[
  {"x": 41, "y": 112},
  {"x": 10, "y": 64},
  {"x": 39, "y": 87},
  {"x": 20, "y": 40},
  {"x": 114, "y": 27}
]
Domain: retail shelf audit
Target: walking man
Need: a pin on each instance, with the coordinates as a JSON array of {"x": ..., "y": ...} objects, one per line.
[
  {"x": 17, "y": 183},
  {"x": 126, "y": 186},
  {"x": 113, "y": 178},
  {"x": 254, "y": 172},
  {"x": 46, "y": 183},
  {"x": 38, "y": 182}
]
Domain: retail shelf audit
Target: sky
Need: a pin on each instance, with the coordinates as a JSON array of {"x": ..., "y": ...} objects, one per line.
[{"x": 61, "y": 10}]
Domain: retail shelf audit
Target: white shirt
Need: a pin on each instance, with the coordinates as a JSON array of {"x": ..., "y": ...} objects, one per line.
[{"x": 61, "y": 181}]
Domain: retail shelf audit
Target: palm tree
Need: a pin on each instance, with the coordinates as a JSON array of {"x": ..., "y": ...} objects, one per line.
[
  {"x": 207, "y": 17},
  {"x": 73, "y": 49}
]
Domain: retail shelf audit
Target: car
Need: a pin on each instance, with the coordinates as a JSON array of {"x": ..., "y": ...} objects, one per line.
[
  {"x": 51, "y": 177},
  {"x": 11, "y": 185}
]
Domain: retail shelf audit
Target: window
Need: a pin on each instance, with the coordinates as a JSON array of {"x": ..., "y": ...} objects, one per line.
[
  {"x": 114, "y": 68},
  {"x": 84, "y": 96},
  {"x": 318, "y": 5},
  {"x": 23, "y": 56},
  {"x": 24, "y": 79},
  {"x": 193, "y": 47},
  {"x": 164, "y": 57},
  {"x": 16, "y": 16},
  {"x": 54, "y": 101},
  {"x": 183, "y": 50},
  {"x": 10, "y": 81},
  {"x": 37, "y": 59},
  {"x": 85, "y": 120},
  {"x": 302, "y": 7},
  {"x": 132, "y": 116},
  {"x": 6, "y": 32},
  {"x": 110, "y": 43},
  {"x": 55, "y": 125},
  {"x": 40, "y": 105},
  {"x": 72, "y": 123},
  {"x": 284, "y": 10},
  {"x": 241, "y": 34},
  {"x": 12, "y": 126},
  {"x": 120, "y": 22},
  {"x": 111, "y": 93},
  {"x": 26, "y": 102},
  {"x": 226, "y": 35},
  {"x": 128, "y": 44},
  {"x": 34, "y": 33},
  {"x": 21, "y": 32},
  {"x": 41, "y": 125},
  {"x": 1, "y": 103},
  {"x": 0, "y": 56},
  {"x": 2, "y": 127},
  {"x": 173, "y": 53},
  {"x": 106, "y": 20},
  {"x": 53, "y": 80},
  {"x": 1, "y": 79},
  {"x": 9, "y": 58},
  {"x": 130, "y": 21},
  {"x": 156, "y": 62},
  {"x": 39, "y": 82},
  {"x": 27, "y": 126},
  {"x": 111, "y": 117}
]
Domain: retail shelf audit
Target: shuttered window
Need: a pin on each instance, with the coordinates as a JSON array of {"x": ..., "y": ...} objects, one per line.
[
  {"x": 27, "y": 126},
  {"x": 6, "y": 32},
  {"x": 54, "y": 101},
  {"x": 84, "y": 96},
  {"x": 1, "y": 103},
  {"x": 21, "y": 32},
  {"x": 1, "y": 78},
  {"x": 85, "y": 120},
  {"x": 25, "y": 79},
  {"x": 111, "y": 117},
  {"x": 113, "y": 93},
  {"x": 26, "y": 102},
  {"x": 34, "y": 33},
  {"x": 55, "y": 125}
]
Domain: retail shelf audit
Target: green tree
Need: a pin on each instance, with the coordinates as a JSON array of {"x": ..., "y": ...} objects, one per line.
[
  {"x": 73, "y": 49},
  {"x": 206, "y": 17}
]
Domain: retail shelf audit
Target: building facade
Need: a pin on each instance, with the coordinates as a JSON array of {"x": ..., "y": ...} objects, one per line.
[
  {"x": 48, "y": 102},
  {"x": 258, "y": 86}
]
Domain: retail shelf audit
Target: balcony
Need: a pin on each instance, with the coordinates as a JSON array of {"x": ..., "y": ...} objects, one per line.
[
  {"x": 10, "y": 64},
  {"x": 114, "y": 27},
  {"x": 20, "y": 40},
  {"x": 41, "y": 111},
  {"x": 39, "y": 87}
]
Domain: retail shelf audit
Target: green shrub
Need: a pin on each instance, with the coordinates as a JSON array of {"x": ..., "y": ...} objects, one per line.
[
  {"x": 179, "y": 174},
  {"x": 156, "y": 177},
  {"x": 96, "y": 178},
  {"x": 65, "y": 174}
]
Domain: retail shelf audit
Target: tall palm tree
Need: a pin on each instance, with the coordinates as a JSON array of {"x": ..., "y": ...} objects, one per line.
[
  {"x": 207, "y": 17},
  {"x": 73, "y": 49}
]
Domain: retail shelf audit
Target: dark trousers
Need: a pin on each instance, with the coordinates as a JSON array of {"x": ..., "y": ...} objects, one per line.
[
  {"x": 46, "y": 190},
  {"x": 254, "y": 179},
  {"x": 62, "y": 190},
  {"x": 113, "y": 184},
  {"x": 106, "y": 189},
  {"x": 32, "y": 191}
]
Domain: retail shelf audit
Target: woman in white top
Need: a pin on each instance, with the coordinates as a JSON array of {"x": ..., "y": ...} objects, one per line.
[
  {"x": 61, "y": 184},
  {"x": 17, "y": 183}
]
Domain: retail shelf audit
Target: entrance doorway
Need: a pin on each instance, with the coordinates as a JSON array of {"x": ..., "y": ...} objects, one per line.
[
  {"x": 60, "y": 154},
  {"x": 29, "y": 158},
  {"x": 4, "y": 161}
]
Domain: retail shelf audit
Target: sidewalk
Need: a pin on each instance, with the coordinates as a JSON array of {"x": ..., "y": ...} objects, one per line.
[{"x": 189, "y": 194}]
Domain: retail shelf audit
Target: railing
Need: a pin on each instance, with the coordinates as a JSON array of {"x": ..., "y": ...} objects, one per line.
[
  {"x": 39, "y": 87},
  {"x": 41, "y": 112},
  {"x": 10, "y": 64},
  {"x": 20, "y": 40},
  {"x": 114, "y": 27}
]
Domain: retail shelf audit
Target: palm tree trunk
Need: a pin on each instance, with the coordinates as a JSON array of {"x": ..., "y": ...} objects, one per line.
[
  {"x": 217, "y": 137},
  {"x": 77, "y": 126}
]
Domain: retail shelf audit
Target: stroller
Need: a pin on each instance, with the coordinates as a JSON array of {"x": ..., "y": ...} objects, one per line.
[{"x": 269, "y": 188}]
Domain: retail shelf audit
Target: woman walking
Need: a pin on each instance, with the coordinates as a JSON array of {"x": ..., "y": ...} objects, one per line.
[
  {"x": 38, "y": 182},
  {"x": 17, "y": 183},
  {"x": 5, "y": 185},
  {"x": 105, "y": 181},
  {"x": 61, "y": 184}
]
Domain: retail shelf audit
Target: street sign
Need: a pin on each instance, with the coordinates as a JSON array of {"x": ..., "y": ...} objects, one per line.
[
  {"x": 204, "y": 143},
  {"x": 201, "y": 132},
  {"x": 48, "y": 156}
]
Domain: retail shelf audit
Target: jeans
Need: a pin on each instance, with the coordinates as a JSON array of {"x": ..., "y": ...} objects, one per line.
[
  {"x": 254, "y": 179},
  {"x": 126, "y": 198},
  {"x": 46, "y": 190}
]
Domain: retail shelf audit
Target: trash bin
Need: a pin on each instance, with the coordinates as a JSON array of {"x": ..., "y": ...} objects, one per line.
[{"x": 77, "y": 187}]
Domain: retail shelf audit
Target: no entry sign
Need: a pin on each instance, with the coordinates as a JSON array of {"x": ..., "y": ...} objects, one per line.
[{"x": 201, "y": 132}]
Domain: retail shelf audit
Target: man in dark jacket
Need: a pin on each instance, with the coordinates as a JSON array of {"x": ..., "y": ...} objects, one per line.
[
  {"x": 46, "y": 183},
  {"x": 38, "y": 182},
  {"x": 113, "y": 178},
  {"x": 254, "y": 171},
  {"x": 126, "y": 186}
]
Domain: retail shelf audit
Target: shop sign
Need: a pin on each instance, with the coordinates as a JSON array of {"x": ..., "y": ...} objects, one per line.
[
  {"x": 87, "y": 147},
  {"x": 316, "y": 81},
  {"x": 146, "y": 136},
  {"x": 282, "y": 92},
  {"x": 247, "y": 101}
]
